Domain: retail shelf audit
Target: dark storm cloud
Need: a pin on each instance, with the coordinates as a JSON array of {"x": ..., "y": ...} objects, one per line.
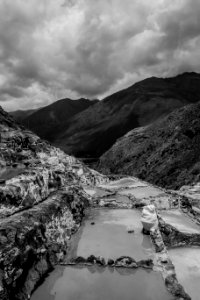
[
  {"x": 11, "y": 91},
  {"x": 53, "y": 49}
]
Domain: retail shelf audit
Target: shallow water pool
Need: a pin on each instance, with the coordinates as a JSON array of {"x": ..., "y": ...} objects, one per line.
[
  {"x": 96, "y": 283},
  {"x": 187, "y": 265},
  {"x": 109, "y": 236}
]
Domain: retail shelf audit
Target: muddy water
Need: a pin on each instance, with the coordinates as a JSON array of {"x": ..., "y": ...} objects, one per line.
[
  {"x": 96, "y": 283},
  {"x": 109, "y": 235},
  {"x": 177, "y": 219},
  {"x": 187, "y": 265}
]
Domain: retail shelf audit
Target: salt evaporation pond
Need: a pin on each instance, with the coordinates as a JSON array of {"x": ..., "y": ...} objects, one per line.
[
  {"x": 122, "y": 183},
  {"x": 142, "y": 192},
  {"x": 121, "y": 199},
  {"x": 187, "y": 265},
  {"x": 97, "y": 283},
  {"x": 180, "y": 221},
  {"x": 132, "y": 186},
  {"x": 109, "y": 238}
]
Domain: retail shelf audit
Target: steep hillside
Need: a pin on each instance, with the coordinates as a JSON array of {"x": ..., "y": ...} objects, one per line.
[
  {"x": 94, "y": 131},
  {"x": 42, "y": 203},
  {"x": 44, "y": 121},
  {"x": 21, "y": 147},
  {"x": 165, "y": 153}
]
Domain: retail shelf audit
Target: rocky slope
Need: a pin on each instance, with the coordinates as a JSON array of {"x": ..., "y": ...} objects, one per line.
[
  {"x": 165, "y": 153},
  {"x": 40, "y": 208},
  {"x": 47, "y": 120},
  {"x": 94, "y": 130}
]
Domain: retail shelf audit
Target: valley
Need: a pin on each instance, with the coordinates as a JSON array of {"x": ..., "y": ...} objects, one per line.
[
  {"x": 68, "y": 231},
  {"x": 99, "y": 150}
]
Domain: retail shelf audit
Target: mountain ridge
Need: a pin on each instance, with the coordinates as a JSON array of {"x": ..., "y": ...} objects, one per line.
[
  {"x": 87, "y": 128},
  {"x": 44, "y": 120},
  {"x": 94, "y": 130}
]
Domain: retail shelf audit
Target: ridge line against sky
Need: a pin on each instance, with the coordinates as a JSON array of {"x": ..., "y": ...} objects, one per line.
[{"x": 84, "y": 48}]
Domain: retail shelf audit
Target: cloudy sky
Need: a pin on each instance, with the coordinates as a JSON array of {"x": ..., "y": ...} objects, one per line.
[{"x": 51, "y": 49}]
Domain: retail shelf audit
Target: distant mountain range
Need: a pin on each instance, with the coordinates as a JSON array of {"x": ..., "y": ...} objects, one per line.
[
  {"x": 20, "y": 115},
  {"x": 45, "y": 121},
  {"x": 87, "y": 130},
  {"x": 94, "y": 130}
]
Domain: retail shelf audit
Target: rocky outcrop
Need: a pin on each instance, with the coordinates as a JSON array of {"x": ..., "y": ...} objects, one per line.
[
  {"x": 51, "y": 171},
  {"x": 33, "y": 241},
  {"x": 17, "y": 144}
]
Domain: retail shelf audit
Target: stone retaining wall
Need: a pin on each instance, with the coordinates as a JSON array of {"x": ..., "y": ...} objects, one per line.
[{"x": 33, "y": 241}]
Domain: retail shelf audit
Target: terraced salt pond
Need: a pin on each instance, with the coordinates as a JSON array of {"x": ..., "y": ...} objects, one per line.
[
  {"x": 124, "y": 183},
  {"x": 104, "y": 232},
  {"x": 132, "y": 187},
  {"x": 109, "y": 238},
  {"x": 142, "y": 192},
  {"x": 177, "y": 219},
  {"x": 187, "y": 265}
]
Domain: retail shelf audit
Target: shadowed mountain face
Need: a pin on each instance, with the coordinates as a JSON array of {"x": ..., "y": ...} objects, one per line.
[
  {"x": 94, "y": 130},
  {"x": 45, "y": 121},
  {"x": 20, "y": 115},
  {"x": 165, "y": 153}
]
